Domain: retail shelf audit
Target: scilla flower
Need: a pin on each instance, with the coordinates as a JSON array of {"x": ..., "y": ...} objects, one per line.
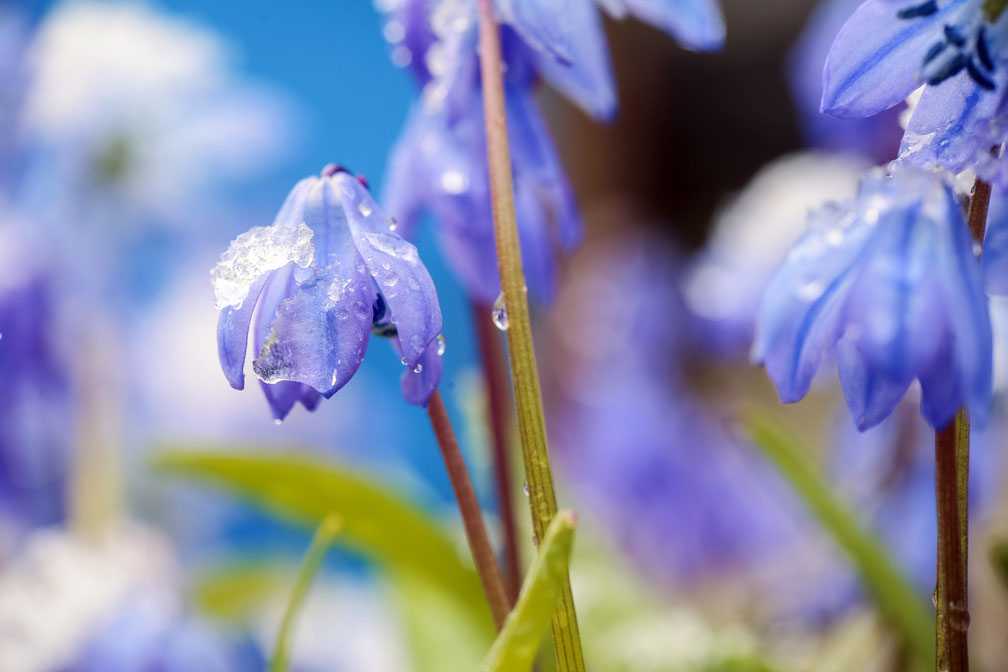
[
  {"x": 314, "y": 286},
  {"x": 564, "y": 40},
  {"x": 889, "y": 48},
  {"x": 889, "y": 284}
]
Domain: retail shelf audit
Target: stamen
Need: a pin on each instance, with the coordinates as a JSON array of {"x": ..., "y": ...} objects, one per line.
[
  {"x": 981, "y": 49},
  {"x": 978, "y": 77},
  {"x": 954, "y": 66},
  {"x": 954, "y": 36},
  {"x": 924, "y": 9},
  {"x": 936, "y": 49}
]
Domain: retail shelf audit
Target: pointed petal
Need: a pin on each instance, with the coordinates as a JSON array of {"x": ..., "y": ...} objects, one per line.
[
  {"x": 418, "y": 386},
  {"x": 801, "y": 315},
  {"x": 588, "y": 79},
  {"x": 876, "y": 59},
  {"x": 233, "y": 333},
  {"x": 870, "y": 397},
  {"x": 408, "y": 289},
  {"x": 282, "y": 396},
  {"x": 544, "y": 26},
  {"x": 361, "y": 210},
  {"x": 292, "y": 211},
  {"x": 696, "y": 24}
]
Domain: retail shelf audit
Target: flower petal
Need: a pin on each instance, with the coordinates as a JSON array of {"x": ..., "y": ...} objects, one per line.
[
  {"x": 282, "y": 396},
  {"x": 408, "y": 289},
  {"x": 588, "y": 79},
  {"x": 696, "y": 24},
  {"x": 870, "y": 397},
  {"x": 233, "y": 333},
  {"x": 876, "y": 59},
  {"x": 544, "y": 26},
  {"x": 418, "y": 385}
]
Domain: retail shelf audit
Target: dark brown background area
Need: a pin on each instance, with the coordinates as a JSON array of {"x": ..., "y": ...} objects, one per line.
[{"x": 693, "y": 127}]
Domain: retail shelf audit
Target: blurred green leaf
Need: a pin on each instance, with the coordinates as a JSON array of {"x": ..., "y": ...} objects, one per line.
[
  {"x": 997, "y": 554},
  {"x": 893, "y": 594},
  {"x": 314, "y": 556},
  {"x": 516, "y": 645},
  {"x": 416, "y": 552},
  {"x": 232, "y": 592}
]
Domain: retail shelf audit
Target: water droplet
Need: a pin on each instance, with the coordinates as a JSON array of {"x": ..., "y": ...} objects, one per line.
[
  {"x": 418, "y": 368},
  {"x": 442, "y": 344},
  {"x": 958, "y": 616},
  {"x": 364, "y": 208},
  {"x": 526, "y": 488},
  {"x": 535, "y": 540},
  {"x": 392, "y": 224},
  {"x": 812, "y": 290},
  {"x": 403, "y": 360},
  {"x": 977, "y": 249},
  {"x": 934, "y": 598},
  {"x": 499, "y": 313},
  {"x": 278, "y": 422}
]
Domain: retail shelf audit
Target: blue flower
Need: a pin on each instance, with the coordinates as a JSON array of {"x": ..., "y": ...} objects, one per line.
[
  {"x": 563, "y": 40},
  {"x": 440, "y": 166},
  {"x": 877, "y": 137},
  {"x": 889, "y": 285},
  {"x": 314, "y": 286},
  {"x": 889, "y": 48}
]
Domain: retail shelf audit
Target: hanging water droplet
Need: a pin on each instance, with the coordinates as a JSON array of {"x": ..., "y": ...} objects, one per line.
[
  {"x": 977, "y": 249},
  {"x": 418, "y": 368},
  {"x": 392, "y": 224},
  {"x": 526, "y": 489},
  {"x": 403, "y": 360},
  {"x": 278, "y": 422},
  {"x": 499, "y": 313},
  {"x": 364, "y": 208},
  {"x": 442, "y": 344}
]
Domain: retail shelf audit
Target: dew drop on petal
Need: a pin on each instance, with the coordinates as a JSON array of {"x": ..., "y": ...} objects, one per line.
[
  {"x": 403, "y": 360},
  {"x": 278, "y": 422},
  {"x": 442, "y": 344},
  {"x": 499, "y": 313},
  {"x": 392, "y": 224},
  {"x": 364, "y": 208},
  {"x": 418, "y": 368}
]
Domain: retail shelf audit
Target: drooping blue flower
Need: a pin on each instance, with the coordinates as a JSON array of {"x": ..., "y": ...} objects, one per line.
[
  {"x": 564, "y": 41},
  {"x": 956, "y": 48},
  {"x": 888, "y": 284},
  {"x": 314, "y": 286},
  {"x": 440, "y": 166},
  {"x": 877, "y": 137}
]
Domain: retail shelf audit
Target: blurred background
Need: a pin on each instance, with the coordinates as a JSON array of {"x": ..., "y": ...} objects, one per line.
[{"x": 138, "y": 138}]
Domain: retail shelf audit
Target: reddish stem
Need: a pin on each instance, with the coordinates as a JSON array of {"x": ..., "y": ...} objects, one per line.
[{"x": 498, "y": 411}]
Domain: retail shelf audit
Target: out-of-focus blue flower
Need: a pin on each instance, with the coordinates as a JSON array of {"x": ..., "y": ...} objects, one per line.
[
  {"x": 34, "y": 397},
  {"x": 888, "y": 472},
  {"x": 628, "y": 439},
  {"x": 877, "y": 137},
  {"x": 889, "y": 284},
  {"x": 441, "y": 166},
  {"x": 995, "y": 249},
  {"x": 889, "y": 48},
  {"x": 564, "y": 41},
  {"x": 133, "y": 129},
  {"x": 724, "y": 282},
  {"x": 314, "y": 286}
]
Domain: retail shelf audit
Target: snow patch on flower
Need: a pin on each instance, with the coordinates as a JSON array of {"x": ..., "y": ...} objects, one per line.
[{"x": 256, "y": 252}]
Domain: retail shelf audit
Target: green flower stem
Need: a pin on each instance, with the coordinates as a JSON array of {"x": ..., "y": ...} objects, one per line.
[
  {"x": 498, "y": 413},
  {"x": 320, "y": 543},
  {"x": 472, "y": 517},
  {"x": 528, "y": 398},
  {"x": 893, "y": 594}
]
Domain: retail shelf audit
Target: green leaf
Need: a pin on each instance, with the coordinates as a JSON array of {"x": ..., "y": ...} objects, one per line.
[
  {"x": 320, "y": 543},
  {"x": 375, "y": 521},
  {"x": 893, "y": 594},
  {"x": 516, "y": 645}
]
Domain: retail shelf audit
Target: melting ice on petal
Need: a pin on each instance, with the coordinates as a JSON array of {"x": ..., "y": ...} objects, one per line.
[{"x": 255, "y": 252}]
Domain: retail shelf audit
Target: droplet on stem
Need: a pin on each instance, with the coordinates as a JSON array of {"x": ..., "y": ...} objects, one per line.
[{"x": 499, "y": 313}]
